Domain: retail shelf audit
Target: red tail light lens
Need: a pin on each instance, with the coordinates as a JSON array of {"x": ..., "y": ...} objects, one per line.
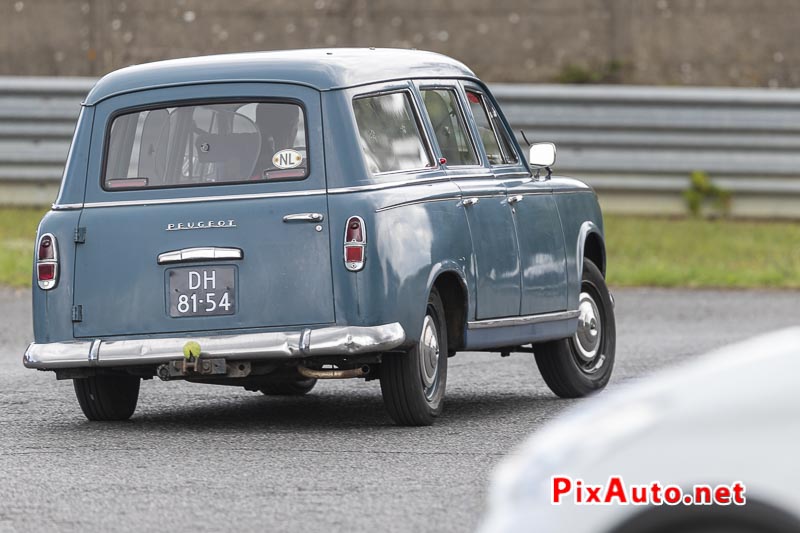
[
  {"x": 355, "y": 242},
  {"x": 47, "y": 262},
  {"x": 47, "y": 271},
  {"x": 46, "y": 248}
]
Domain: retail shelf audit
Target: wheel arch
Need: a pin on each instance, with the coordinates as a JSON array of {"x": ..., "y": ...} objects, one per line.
[
  {"x": 591, "y": 245},
  {"x": 451, "y": 285}
]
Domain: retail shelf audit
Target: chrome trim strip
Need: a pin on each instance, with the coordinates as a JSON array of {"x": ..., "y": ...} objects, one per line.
[
  {"x": 194, "y": 199},
  {"x": 65, "y": 207},
  {"x": 416, "y": 202},
  {"x": 334, "y": 340},
  {"x": 387, "y": 185},
  {"x": 473, "y": 176},
  {"x": 573, "y": 190},
  {"x": 199, "y": 254},
  {"x": 94, "y": 351},
  {"x": 522, "y": 320}
]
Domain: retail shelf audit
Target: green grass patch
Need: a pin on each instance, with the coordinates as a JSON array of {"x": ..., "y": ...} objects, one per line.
[
  {"x": 702, "y": 253},
  {"x": 17, "y": 236},
  {"x": 642, "y": 251}
]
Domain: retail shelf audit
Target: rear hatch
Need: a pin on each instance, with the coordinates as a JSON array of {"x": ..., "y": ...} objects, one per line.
[{"x": 205, "y": 216}]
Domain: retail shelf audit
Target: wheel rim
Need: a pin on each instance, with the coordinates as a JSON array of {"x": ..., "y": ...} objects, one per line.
[
  {"x": 429, "y": 357},
  {"x": 588, "y": 339}
]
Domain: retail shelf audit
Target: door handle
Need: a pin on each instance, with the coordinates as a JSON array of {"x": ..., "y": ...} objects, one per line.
[
  {"x": 466, "y": 202},
  {"x": 208, "y": 253},
  {"x": 304, "y": 217},
  {"x": 514, "y": 199}
]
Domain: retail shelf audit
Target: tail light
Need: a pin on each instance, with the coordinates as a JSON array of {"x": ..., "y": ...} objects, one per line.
[
  {"x": 355, "y": 242},
  {"x": 47, "y": 261}
]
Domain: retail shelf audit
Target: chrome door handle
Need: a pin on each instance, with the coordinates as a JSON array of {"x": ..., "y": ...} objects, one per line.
[
  {"x": 207, "y": 253},
  {"x": 304, "y": 217},
  {"x": 466, "y": 202},
  {"x": 514, "y": 199}
]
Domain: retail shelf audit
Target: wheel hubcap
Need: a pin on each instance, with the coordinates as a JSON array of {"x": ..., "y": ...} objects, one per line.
[
  {"x": 429, "y": 356},
  {"x": 588, "y": 338}
]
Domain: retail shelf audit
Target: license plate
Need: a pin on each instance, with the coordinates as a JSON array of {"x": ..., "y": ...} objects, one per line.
[{"x": 202, "y": 291}]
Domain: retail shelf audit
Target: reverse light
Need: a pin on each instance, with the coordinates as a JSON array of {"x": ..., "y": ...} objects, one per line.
[
  {"x": 47, "y": 261},
  {"x": 355, "y": 242}
]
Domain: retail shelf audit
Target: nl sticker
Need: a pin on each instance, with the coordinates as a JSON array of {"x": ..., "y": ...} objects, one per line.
[{"x": 287, "y": 159}]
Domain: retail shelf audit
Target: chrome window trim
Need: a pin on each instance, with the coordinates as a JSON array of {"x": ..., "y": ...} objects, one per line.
[
  {"x": 65, "y": 207},
  {"x": 522, "y": 320}
]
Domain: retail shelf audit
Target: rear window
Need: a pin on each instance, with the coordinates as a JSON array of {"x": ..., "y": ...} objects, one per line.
[
  {"x": 221, "y": 143},
  {"x": 390, "y": 134}
]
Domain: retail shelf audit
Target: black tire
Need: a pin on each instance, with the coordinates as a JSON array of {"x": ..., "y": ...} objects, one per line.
[
  {"x": 567, "y": 366},
  {"x": 297, "y": 387},
  {"x": 106, "y": 398},
  {"x": 413, "y": 385}
]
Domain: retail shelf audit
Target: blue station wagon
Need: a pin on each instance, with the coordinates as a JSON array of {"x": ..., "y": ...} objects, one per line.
[{"x": 266, "y": 220}]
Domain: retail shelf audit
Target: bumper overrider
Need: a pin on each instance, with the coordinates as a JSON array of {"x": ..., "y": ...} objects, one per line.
[{"x": 282, "y": 345}]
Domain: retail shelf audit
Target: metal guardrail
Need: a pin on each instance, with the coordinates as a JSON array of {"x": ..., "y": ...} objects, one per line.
[{"x": 636, "y": 145}]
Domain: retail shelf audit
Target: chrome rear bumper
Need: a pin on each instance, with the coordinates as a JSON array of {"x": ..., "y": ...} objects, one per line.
[{"x": 338, "y": 340}]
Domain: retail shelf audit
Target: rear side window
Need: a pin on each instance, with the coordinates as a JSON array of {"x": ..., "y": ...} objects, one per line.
[
  {"x": 389, "y": 133},
  {"x": 206, "y": 144},
  {"x": 495, "y": 139},
  {"x": 448, "y": 126}
]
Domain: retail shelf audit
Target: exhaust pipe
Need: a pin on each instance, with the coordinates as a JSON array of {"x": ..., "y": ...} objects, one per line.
[{"x": 334, "y": 374}]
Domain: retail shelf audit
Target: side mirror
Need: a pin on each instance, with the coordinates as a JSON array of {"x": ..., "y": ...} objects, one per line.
[{"x": 542, "y": 155}]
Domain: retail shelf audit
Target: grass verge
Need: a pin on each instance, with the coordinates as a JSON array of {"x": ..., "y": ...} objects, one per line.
[
  {"x": 17, "y": 236},
  {"x": 701, "y": 253},
  {"x": 641, "y": 251}
]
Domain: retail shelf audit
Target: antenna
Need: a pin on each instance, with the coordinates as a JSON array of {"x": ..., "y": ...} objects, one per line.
[{"x": 524, "y": 137}]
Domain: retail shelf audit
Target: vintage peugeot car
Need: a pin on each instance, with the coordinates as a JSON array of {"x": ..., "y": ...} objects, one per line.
[{"x": 265, "y": 220}]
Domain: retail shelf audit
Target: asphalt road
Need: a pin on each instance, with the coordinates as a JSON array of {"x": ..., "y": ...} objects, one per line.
[{"x": 208, "y": 458}]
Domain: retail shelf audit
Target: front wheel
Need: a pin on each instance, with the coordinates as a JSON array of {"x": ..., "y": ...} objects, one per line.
[
  {"x": 582, "y": 364},
  {"x": 413, "y": 384},
  {"x": 106, "y": 398}
]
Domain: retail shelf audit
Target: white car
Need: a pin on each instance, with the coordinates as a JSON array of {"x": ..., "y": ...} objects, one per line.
[{"x": 728, "y": 419}]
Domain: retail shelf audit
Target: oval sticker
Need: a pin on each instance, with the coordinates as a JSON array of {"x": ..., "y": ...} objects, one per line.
[{"x": 287, "y": 159}]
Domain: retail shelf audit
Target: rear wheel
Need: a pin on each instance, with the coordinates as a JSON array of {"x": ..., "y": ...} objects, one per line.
[
  {"x": 297, "y": 387},
  {"x": 582, "y": 364},
  {"x": 413, "y": 384},
  {"x": 105, "y": 398}
]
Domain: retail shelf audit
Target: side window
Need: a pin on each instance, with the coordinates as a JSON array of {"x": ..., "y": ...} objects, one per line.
[
  {"x": 448, "y": 126},
  {"x": 499, "y": 147},
  {"x": 389, "y": 133}
]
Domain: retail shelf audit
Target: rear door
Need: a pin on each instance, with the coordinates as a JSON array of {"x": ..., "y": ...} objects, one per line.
[
  {"x": 483, "y": 199},
  {"x": 204, "y": 214}
]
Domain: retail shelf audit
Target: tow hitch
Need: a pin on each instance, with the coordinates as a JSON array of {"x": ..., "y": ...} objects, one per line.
[{"x": 192, "y": 365}]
